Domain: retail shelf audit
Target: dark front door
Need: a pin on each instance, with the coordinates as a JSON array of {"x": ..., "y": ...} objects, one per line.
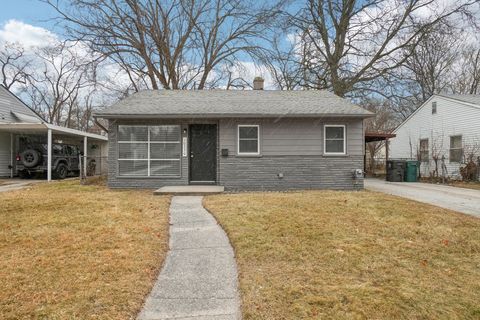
[{"x": 203, "y": 153}]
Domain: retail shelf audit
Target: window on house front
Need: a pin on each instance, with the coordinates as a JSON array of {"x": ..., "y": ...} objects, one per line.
[
  {"x": 456, "y": 149},
  {"x": 248, "y": 139},
  {"x": 334, "y": 141},
  {"x": 434, "y": 107},
  {"x": 424, "y": 150},
  {"x": 149, "y": 150}
]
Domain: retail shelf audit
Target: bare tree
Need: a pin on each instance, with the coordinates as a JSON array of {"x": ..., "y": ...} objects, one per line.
[
  {"x": 13, "y": 64},
  {"x": 352, "y": 43},
  {"x": 284, "y": 62},
  {"x": 430, "y": 62},
  {"x": 55, "y": 84},
  {"x": 467, "y": 74},
  {"x": 175, "y": 44}
]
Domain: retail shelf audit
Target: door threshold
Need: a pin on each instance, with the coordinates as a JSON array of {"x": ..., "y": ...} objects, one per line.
[
  {"x": 202, "y": 182},
  {"x": 190, "y": 190}
]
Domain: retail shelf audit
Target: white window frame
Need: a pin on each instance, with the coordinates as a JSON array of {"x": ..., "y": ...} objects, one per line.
[
  {"x": 258, "y": 140},
  {"x": 344, "y": 139},
  {"x": 420, "y": 150},
  {"x": 149, "y": 159},
  {"x": 450, "y": 149}
]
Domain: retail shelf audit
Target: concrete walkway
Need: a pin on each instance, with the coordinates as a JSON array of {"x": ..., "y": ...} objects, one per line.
[
  {"x": 453, "y": 198},
  {"x": 199, "y": 278}
]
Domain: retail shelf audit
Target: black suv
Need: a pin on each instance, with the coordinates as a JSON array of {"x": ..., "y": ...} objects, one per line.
[{"x": 33, "y": 160}]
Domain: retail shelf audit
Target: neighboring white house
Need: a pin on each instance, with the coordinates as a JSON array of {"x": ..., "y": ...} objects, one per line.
[{"x": 445, "y": 126}]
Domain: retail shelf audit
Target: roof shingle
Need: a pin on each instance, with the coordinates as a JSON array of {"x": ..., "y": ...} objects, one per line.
[
  {"x": 232, "y": 103},
  {"x": 469, "y": 98}
]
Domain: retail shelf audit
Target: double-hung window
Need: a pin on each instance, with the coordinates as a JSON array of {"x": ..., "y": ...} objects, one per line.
[
  {"x": 334, "y": 139},
  {"x": 424, "y": 150},
  {"x": 456, "y": 149},
  {"x": 149, "y": 151},
  {"x": 248, "y": 140}
]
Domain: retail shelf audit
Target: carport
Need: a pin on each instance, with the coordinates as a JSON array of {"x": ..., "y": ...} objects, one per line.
[
  {"x": 55, "y": 133},
  {"x": 377, "y": 137}
]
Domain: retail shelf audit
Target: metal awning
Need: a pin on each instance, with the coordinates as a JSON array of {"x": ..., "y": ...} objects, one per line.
[
  {"x": 378, "y": 136},
  {"x": 23, "y": 127}
]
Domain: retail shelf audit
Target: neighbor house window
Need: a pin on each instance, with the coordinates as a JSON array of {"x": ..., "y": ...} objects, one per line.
[
  {"x": 434, "y": 107},
  {"x": 334, "y": 141},
  {"x": 456, "y": 150},
  {"x": 424, "y": 150},
  {"x": 248, "y": 140},
  {"x": 149, "y": 150}
]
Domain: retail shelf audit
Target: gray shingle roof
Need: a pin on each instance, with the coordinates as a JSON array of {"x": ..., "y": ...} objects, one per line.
[
  {"x": 470, "y": 98},
  {"x": 232, "y": 103}
]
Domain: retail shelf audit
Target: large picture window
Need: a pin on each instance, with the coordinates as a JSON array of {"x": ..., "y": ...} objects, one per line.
[
  {"x": 334, "y": 139},
  {"x": 248, "y": 140},
  {"x": 149, "y": 150},
  {"x": 456, "y": 149}
]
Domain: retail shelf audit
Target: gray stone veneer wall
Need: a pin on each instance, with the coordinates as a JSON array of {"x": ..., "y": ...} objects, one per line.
[{"x": 299, "y": 172}]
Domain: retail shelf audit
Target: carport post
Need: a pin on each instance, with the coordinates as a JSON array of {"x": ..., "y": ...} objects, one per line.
[
  {"x": 85, "y": 145},
  {"x": 49, "y": 155},
  {"x": 11, "y": 155}
]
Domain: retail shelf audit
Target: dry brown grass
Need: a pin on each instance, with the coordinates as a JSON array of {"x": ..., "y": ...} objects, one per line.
[
  {"x": 351, "y": 255},
  {"x": 468, "y": 185},
  {"x": 79, "y": 252}
]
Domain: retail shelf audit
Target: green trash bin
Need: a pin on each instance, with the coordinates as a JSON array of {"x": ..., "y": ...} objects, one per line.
[{"x": 411, "y": 171}]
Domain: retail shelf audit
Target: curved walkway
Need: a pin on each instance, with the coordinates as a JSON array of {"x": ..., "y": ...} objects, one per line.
[{"x": 199, "y": 278}]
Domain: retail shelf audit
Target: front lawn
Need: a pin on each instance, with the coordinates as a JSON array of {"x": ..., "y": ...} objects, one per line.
[
  {"x": 468, "y": 185},
  {"x": 79, "y": 252},
  {"x": 351, "y": 255}
]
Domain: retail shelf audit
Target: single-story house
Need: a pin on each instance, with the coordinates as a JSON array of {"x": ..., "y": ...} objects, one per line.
[
  {"x": 19, "y": 123},
  {"x": 242, "y": 140},
  {"x": 443, "y": 134}
]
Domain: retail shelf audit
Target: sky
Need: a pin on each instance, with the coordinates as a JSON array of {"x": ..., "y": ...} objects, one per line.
[{"x": 32, "y": 12}]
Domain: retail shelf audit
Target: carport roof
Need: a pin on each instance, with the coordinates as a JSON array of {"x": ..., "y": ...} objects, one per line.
[{"x": 24, "y": 127}]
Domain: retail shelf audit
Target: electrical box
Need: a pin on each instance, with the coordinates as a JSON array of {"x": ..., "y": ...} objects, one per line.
[
  {"x": 224, "y": 152},
  {"x": 357, "y": 174}
]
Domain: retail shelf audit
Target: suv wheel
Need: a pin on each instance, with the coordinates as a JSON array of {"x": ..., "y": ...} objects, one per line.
[
  {"x": 30, "y": 158},
  {"x": 61, "y": 171}
]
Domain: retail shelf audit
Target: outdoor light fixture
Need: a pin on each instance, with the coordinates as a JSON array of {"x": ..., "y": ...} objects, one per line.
[{"x": 185, "y": 131}]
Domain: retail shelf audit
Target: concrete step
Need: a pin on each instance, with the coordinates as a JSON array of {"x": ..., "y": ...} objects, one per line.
[{"x": 192, "y": 190}]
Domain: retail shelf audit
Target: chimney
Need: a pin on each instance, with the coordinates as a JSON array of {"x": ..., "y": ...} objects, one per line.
[{"x": 258, "y": 83}]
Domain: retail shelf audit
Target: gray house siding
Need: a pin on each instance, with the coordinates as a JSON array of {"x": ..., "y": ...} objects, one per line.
[
  {"x": 5, "y": 154},
  {"x": 9, "y": 103},
  {"x": 291, "y": 146},
  {"x": 292, "y": 136}
]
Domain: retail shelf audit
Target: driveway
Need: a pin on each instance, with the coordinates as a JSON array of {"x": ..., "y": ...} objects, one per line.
[
  {"x": 16, "y": 184},
  {"x": 453, "y": 198}
]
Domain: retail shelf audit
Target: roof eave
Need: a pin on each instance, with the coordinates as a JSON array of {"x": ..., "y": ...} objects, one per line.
[{"x": 217, "y": 116}]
